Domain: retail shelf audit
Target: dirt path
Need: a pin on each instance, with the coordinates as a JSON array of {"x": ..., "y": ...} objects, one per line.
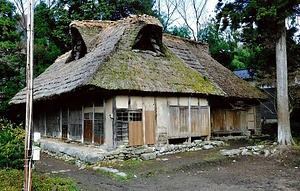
[{"x": 202, "y": 170}]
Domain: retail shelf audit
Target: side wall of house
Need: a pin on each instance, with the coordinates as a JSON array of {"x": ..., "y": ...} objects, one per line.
[
  {"x": 76, "y": 119},
  {"x": 142, "y": 120},
  {"x": 227, "y": 120},
  {"x": 126, "y": 119}
]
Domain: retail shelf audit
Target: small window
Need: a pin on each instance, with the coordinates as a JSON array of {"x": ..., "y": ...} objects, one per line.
[
  {"x": 124, "y": 116},
  {"x": 149, "y": 38},
  {"x": 79, "y": 48},
  {"x": 135, "y": 115}
]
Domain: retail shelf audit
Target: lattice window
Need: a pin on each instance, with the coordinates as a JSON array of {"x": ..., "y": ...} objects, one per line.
[
  {"x": 99, "y": 128},
  {"x": 122, "y": 123},
  {"x": 75, "y": 128},
  {"x": 52, "y": 124}
]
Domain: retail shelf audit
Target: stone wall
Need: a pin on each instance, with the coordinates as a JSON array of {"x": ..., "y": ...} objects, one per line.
[{"x": 87, "y": 154}]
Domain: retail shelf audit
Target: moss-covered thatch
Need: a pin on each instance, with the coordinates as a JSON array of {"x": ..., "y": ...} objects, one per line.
[{"x": 111, "y": 63}]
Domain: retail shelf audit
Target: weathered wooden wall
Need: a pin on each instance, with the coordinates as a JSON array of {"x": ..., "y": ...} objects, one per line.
[
  {"x": 233, "y": 120},
  {"x": 163, "y": 118}
]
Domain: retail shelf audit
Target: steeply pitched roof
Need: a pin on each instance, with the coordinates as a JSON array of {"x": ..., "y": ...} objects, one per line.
[
  {"x": 197, "y": 56},
  {"x": 115, "y": 56}
]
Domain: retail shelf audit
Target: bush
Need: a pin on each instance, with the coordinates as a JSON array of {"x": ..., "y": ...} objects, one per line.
[
  {"x": 11, "y": 145},
  {"x": 12, "y": 180}
]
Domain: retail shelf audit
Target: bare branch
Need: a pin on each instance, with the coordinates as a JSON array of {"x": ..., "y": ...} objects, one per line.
[
  {"x": 21, "y": 10},
  {"x": 191, "y": 12}
]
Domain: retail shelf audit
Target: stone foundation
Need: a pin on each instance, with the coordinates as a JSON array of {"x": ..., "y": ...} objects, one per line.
[{"x": 93, "y": 154}]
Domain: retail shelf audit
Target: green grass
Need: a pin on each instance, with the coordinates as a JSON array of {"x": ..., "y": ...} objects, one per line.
[{"x": 12, "y": 180}]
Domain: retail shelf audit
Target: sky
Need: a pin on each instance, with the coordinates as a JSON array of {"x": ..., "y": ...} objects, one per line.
[{"x": 209, "y": 12}]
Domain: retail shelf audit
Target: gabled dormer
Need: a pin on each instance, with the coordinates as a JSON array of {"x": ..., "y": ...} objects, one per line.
[
  {"x": 149, "y": 38},
  {"x": 79, "y": 49}
]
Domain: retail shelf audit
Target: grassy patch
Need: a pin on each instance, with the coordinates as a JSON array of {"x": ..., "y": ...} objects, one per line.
[{"x": 12, "y": 180}]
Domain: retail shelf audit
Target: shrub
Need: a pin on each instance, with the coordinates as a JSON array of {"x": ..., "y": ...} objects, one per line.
[
  {"x": 12, "y": 180},
  {"x": 11, "y": 145}
]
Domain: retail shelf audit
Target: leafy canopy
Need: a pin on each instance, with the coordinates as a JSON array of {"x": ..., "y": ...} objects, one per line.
[
  {"x": 11, "y": 56},
  {"x": 11, "y": 145},
  {"x": 258, "y": 22}
]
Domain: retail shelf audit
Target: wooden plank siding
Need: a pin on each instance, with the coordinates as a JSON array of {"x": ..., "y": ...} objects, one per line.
[
  {"x": 199, "y": 121},
  {"x": 136, "y": 133},
  {"x": 150, "y": 127},
  {"x": 88, "y": 131},
  {"x": 179, "y": 121},
  {"x": 228, "y": 120}
]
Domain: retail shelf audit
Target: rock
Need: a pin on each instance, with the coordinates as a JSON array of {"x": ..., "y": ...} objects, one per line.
[
  {"x": 207, "y": 147},
  {"x": 81, "y": 156},
  {"x": 103, "y": 168},
  {"x": 62, "y": 149},
  {"x": 137, "y": 152},
  {"x": 163, "y": 149},
  {"x": 71, "y": 151},
  {"x": 148, "y": 156},
  {"x": 198, "y": 141},
  {"x": 217, "y": 143},
  {"x": 245, "y": 152},
  {"x": 266, "y": 153},
  {"x": 93, "y": 158},
  {"x": 171, "y": 147},
  {"x": 122, "y": 174},
  {"x": 96, "y": 168},
  {"x": 230, "y": 152},
  {"x": 198, "y": 149},
  {"x": 111, "y": 170}
]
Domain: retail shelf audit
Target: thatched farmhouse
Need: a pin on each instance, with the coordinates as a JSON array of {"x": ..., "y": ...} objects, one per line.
[{"x": 125, "y": 82}]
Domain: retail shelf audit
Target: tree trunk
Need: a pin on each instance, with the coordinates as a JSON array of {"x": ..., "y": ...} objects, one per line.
[{"x": 283, "y": 114}]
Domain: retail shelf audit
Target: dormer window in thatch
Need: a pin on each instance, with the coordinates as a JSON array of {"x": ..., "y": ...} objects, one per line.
[
  {"x": 79, "y": 48},
  {"x": 149, "y": 38}
]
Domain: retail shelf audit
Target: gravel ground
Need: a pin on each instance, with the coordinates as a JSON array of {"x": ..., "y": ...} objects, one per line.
[{"x": 201, "y": 170}]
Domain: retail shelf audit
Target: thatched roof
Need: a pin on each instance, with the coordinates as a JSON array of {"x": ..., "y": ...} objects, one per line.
[{"x": 132, "y": 54}]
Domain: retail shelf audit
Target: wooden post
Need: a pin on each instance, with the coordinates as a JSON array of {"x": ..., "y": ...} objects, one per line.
[{"x": 29, "y": 83}]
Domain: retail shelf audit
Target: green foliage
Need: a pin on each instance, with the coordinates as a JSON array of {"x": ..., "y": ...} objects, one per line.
[
  {"x": 11, "y": 56},
  {"x": 259, "y": 21},
  {"x": 182, "y": 31},
  {"x": 45, "y": 49},
  {"x": 11, "y": 145},
  {"x": 222, "y": 44},
  {"x": 46, "y": 182},
  {"x": 91, "y": 10},
  {"x": 12, "y": 180}
]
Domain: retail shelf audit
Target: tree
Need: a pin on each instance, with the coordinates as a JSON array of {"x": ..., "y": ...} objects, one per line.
[
  {"x": 12, "y": 65},
  {"x": 11, "y": 145},
  {"x": 263, "y": 23},
  {"x": 66, "y": 11},
  {"x": 191, "y": 12},
  {"x": 45, "y": 49},
  {"x": 197, "y": 11},
  {"x": 222, "y": 44},
  {"x": 182, "y": 31},
  {"x": 166, "y": 12}
]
